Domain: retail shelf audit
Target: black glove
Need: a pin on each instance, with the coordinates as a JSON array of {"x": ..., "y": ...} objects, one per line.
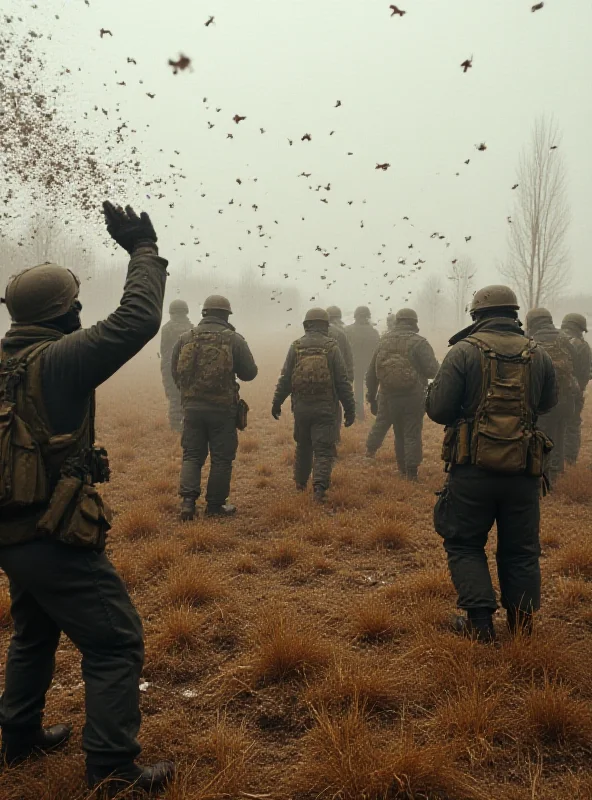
[
  {"x": 349, "y": 421},
  {"x": 127, "y": 228},
  {"x": 276, "y": 412},
  {"x": 373, "y": 407}
]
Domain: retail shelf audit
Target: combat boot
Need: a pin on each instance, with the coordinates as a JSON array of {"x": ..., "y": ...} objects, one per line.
[
  {"x": 411, "y": 474},
  {"x": 300, "y": 487},
  {"x": 477, "y": 625},
  {"x": 187, "y": 509},
  {"x": 18, "y": 747},
  {"x": 110, "y": 782},
  {"x": 370, "y": 454},
  {"x": 226, "y": 510},
  {"x": 519, "y": 621}
]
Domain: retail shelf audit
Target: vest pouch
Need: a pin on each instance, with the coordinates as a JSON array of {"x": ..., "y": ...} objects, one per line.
[
  {"x": 61, "y": 503},
  {"x": 449, "y": 444},
  {"x": 242, "y": 412},
  {"x": 539, "y": 447},
  {"x": 500, "y": 455},
  {"x": 89, "y": 522},
  {"x": 29, "y": 482}
]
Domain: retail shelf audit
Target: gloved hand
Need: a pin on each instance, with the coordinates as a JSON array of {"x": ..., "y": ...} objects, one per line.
[
  {"x": 127, "y": 228},
  {"x": 373, "y": 407},
  {"x": 276, "y": 412},
  {"x": 349, "y": 421}
]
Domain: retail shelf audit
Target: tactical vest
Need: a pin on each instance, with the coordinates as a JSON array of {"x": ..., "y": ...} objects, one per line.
[
  {"x": 205, "y": 368},
  {"x": 394, "y": 368},
  {"x": 34, "y": 463},
  {"x": 311, "y": 376},
  {"x": 502, "y": 436}
]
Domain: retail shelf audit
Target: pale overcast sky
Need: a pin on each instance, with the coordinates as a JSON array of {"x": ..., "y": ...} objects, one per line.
[{"x": 405, "y": 101}]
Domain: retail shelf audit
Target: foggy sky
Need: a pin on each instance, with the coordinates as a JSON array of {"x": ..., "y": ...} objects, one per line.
[{"x": 405, "y": 101}]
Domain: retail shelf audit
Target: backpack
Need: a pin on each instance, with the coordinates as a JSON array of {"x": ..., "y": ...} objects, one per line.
[
  {"x": 23, "y": 476},
  {"x": 503, "y": 436},
  {"x": 311, "y": 376},
  {"x": 206, "y": 368},
  {"x": 394, "y": 369},
  {"x": 559, "y": 351}
]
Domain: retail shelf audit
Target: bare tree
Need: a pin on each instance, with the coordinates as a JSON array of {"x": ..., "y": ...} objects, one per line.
[
  {"x": 461, "y": 274},
  {"x": 431, "y": 300},
  {"x": 538, "y": 255}
]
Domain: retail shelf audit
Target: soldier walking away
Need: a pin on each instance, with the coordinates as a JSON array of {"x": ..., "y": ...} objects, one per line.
[
  {"x": 337, "y": 332},
  {"x": 539, "y": 325},
  {"x": 491, "y": 387},
  {"x": 575, "y": 326},
  {"x": 314, "y": 374},
  {"x": 397, "y": 379},
  {"x": 364, "y": 339},
  {"x": 170, "y": 334},
  {"x": 53, "y": 523},
  {"x": 206, "y": 362}
]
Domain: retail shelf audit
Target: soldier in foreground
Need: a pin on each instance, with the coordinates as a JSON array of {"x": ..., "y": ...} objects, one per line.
[
  {"x": 53, "y": 523},
  {"x": 397, "y": 379},
  {"x": 364, "y": 339},
  {"x": 206, "y": 362},
  {"x": 539, "y": 325},
  {"x": 315, "y": 376},
  {"x": 178, "y": 324},
  {"x": 574, "y": 326},
  {"x": 490, "y": 389}
]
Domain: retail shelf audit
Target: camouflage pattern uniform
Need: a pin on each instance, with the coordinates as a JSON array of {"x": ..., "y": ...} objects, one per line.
[
  {"x": 364, "y": 339},
  {"x": 59, "y": 588},
  {"x": 474, "y": 498},
  {"x": 315, "y": 418},
  {"x": 403, "y": 409},
  {"x": 574, "y": 326},
  {"x": 210, "y": 426},
  {"x": 170, "y": 334},
  {"x": 539, "y": 324}
]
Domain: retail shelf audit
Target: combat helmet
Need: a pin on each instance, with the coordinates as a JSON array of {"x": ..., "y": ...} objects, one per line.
[
  {"x": 178, "y": 307},
  {"x": 316, "y": 315},
  {"x": 536, "y": 315},
  {"x": 334, "y": 312},
  {"x": 362, "y": 312},
  {"x": 576, "y": 321},
  {"x": 41, "y": 293},
  {"x": 494, "y": 297},
  {"x": 390, "y": 320},
  {"x": 216, "y": 302},
  {"x": 407, "y": 314}
]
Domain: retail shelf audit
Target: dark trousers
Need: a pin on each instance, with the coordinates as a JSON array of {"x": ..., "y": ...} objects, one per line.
[
  {"x": 405, "y": 413},
  {"x": 573, "y": 431},
  {"x": 57, "y": 588},
  {"x": 471, "y": 502},
  {"x": 315, "y": 434},
  {"x": 175, "y": 408},
  {"x": 212, "y": 432},
  {"x": 359, "y": 393}
]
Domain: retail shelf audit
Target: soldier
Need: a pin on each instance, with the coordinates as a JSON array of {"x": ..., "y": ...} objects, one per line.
[
  {"x": 539, "y": 324},
  {"x": 337, "y": 332},
  {"x": 489, "y": 391},
  {"x": 364, "y": 339},
  {"x": 206, "y": 362},
  {"x": 575, "y": 326},
  {"x": 315, "y": 375},
  {"x": 53, "y": 523},
  {"x": 178, "y": 324},
  {"x": 398, "y": 373}
]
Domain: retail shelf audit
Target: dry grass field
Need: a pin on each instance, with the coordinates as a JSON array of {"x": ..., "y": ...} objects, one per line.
[{"x": 304, "y": 652}]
